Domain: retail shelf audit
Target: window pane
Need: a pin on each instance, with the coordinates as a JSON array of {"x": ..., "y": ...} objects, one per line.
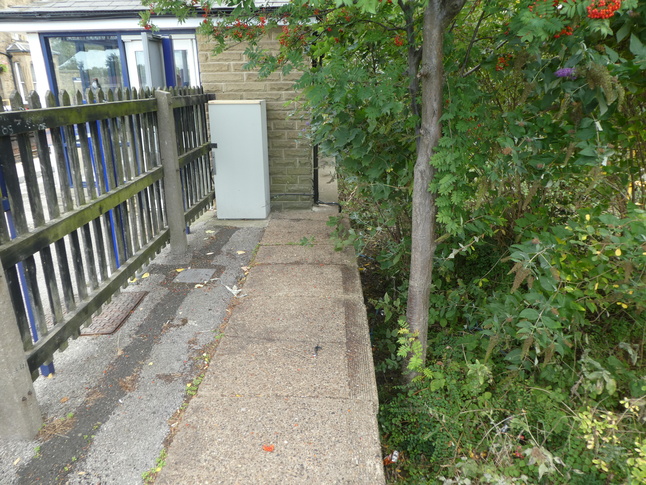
[
  {"x": 82, "y": 62},
  {"x": 182, "y": 74},
  {"x": 141, "y": 69}
]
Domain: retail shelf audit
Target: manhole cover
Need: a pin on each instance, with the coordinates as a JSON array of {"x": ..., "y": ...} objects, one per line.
[
  {"x": 114, "y": 314},
  {"x": 194, "y": 275}
]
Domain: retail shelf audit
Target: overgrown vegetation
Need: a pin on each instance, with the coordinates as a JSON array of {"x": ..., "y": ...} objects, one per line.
[
  {"x": 535, "y": 365},
  {"x": 534, "y": 372}
]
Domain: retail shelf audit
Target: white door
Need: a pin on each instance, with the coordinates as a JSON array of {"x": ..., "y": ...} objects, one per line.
[{"x": 185, "y": 57}]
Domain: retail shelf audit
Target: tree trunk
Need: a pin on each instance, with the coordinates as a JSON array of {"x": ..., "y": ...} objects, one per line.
[{"x": 436, "y": 16}]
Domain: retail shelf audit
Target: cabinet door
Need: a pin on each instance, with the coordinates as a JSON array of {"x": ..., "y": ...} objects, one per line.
[{"x": 239, "y": 129}]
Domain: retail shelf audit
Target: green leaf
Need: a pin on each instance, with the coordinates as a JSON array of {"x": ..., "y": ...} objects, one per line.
[
  {"x": 551, "y": 323},
  {"x": 529, "y": 314},
  {"x": 622, "y": 33},
  {"x": 636, "y": 46}
]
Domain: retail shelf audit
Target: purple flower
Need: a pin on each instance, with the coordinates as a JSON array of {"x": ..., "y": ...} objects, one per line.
[{"x": 567, "y": 72}]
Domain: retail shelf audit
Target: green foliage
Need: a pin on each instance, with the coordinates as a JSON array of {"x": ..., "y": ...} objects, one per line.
[
  {"x": 537, "y": 310},
  {"x": 572, "y": 284},
  {"x": 468, "y": 421}
]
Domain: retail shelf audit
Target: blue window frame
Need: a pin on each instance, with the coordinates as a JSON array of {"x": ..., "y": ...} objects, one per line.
[{"x": 78, "y": 61}]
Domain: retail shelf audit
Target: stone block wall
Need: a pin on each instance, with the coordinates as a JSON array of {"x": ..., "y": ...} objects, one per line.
[{"x": 290, "y": 153}]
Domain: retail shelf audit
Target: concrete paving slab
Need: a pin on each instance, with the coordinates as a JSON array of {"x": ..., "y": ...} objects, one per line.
[
  {"x": 306, "y": 232},
  {"x": 312, "y": 320},
  {"x": 314, "y": 441},
  {"x": 304, "y": 255},
  {"x": 252, "y": 367},
  {"x": 318, "y": 213},
  {"x": 303, "y": 280}
]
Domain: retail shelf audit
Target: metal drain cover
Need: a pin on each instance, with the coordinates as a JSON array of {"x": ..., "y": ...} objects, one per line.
[
  {"x": 114, "y": 314},
  {"x": 194, "y": 275}
]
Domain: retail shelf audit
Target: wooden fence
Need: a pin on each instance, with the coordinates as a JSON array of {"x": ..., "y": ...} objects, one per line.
[{"x": 91, "y": 198}]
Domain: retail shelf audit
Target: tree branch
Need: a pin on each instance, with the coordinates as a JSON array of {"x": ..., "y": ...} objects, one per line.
[{"x": 473, "y": 39}]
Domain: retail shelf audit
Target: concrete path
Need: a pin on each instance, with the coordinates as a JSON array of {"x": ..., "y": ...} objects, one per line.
[{"x": 290, "y": 395}]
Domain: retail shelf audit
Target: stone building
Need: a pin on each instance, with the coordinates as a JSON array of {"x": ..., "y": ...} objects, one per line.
[
  {"x": 81, "y": 44},
  {"x": 16, "y": 68}
]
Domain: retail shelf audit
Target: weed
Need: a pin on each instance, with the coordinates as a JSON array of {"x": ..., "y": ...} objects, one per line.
[
  {"x": 192, "y": 387},
  {"x": 149, "y": 476}
]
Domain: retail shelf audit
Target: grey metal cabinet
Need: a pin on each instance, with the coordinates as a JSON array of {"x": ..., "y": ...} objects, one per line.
[{"x": 239, "y": 134}]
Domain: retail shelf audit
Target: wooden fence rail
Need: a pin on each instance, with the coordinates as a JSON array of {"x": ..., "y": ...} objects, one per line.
[{"x": 90, "y": 199}]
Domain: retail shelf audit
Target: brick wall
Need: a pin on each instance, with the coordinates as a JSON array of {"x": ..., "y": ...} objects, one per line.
[{"x": 290, "y": 154}]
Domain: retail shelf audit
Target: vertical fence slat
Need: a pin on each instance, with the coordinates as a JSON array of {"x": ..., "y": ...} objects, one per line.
[
  {"x": 109, "y": 167},
  {"x": 89, "y": 256},
  {"x": 77, "y": 177},
  {"x": 13, "y": 281},
  {"x": 86, "y": 153},
  {"x": 77, "y": 264},
  {"x": 139, "y": 167},
  {"x": 29, "y": 170},
  {"x": 49, "y": 186},
  {"x": 74, "y": 166},
  {"x": 120, "y": 150},
  {"x": 89, "y": 150},
  {"x": 46, "y": 170},
  {"x": 12, "y": 183},
  {"x": 135, "y": 126},
  {"x": 103, "y": 228},
  {"x": 125, "y": 133},
  {"x": 59, "y": 155},
  {"x": 66, "y": 196}
]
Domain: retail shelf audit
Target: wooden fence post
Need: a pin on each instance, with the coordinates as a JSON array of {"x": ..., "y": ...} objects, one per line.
[
  {"x": 19, "y": 412},
  {"x": 172, "y": 181}
]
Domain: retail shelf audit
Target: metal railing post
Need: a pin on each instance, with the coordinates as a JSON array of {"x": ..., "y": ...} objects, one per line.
[
  {"x": 172, "y": 181},
  {"x": 19, "y": 412}
]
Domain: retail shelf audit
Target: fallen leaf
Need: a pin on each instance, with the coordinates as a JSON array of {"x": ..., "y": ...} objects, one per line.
[
  {"x": 233, "y": 290},
  {"x": 210, "y": 232},
  {"x": 179, "y": 270},
  {"x": 241, "y": 252},
  {"x": 150, "y": 363},
  {"x": 64, "y": 399},
  {"x": 132, "y": 280},
  {"x": 145, "y": 275},
  {"x": 268, "y": 448},
  {"x": 244, "y": 268}
]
